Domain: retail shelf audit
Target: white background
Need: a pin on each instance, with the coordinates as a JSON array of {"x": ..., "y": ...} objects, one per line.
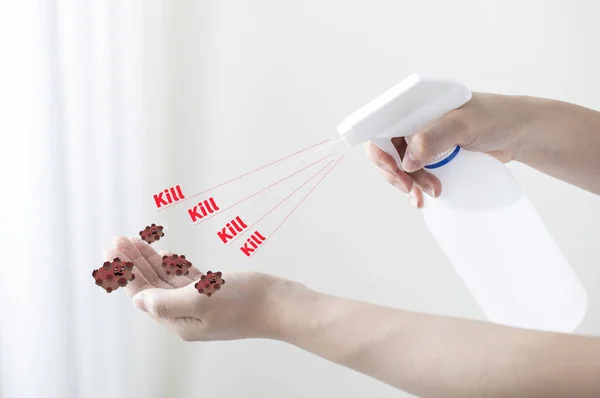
[{"x": 130, "y": 99}]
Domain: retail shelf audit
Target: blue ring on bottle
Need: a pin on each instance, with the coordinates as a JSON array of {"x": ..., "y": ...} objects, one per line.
[{"x": 444, "y": 161}]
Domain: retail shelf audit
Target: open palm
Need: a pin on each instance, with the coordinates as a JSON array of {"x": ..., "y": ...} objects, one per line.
[
  {"x": 240, "y": 309},
  {"x": 147, "y": 266}
]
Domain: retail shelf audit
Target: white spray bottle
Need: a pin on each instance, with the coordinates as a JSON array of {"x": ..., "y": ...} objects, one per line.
[{"x": 483, "y": 221}]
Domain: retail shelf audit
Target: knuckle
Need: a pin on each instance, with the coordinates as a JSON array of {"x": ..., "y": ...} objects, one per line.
[
  {"x": 376, "y": 157},
  {"x": 460, "y": 122},
  {"x": 423, "y": 143}
]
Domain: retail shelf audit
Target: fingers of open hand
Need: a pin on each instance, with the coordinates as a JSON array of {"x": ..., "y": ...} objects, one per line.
[
  {"x": 173, "y": 279},
  {"x": 193, "y": 272},
  {"x": 126, "y": 246},
  {"x": 155, "y": 261},
  {"x": 139, "y": 283}
]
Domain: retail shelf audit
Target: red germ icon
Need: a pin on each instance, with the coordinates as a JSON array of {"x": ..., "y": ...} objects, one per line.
[
  {"x": 114, "y": 274},
  {"x": 176, "y": 264},
  {"x": 152, "y": 233},
  {"x": 209, "y": 283}
]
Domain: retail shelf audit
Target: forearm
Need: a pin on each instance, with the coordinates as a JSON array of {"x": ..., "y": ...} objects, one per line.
[
  {"x": 563, "y": 140},
  {"x": 433, "y": 356}
]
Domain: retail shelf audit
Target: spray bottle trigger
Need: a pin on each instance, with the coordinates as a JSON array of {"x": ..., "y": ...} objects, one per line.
[{"x": 388, "y": 147}]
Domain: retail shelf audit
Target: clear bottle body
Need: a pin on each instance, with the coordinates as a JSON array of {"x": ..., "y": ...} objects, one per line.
[{"x": 500, "y": 247}]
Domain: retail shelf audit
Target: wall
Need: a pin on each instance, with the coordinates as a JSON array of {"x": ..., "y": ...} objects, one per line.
[{"x": 249, "y": 82}]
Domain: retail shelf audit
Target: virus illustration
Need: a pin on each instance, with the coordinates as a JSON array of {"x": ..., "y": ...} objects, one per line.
[
  {"x": 176, "y": 264},
  {"x": 114, "y": 274},
  {"x": 209, "y": 283},
  {"x": 152, "y": 233}
]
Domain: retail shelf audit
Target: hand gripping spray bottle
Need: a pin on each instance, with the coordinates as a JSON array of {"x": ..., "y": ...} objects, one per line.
[{"x": 482, "y": 221}]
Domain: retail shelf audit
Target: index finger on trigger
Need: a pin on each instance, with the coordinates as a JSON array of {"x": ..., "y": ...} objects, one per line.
[
  {"x": 381, "y": 159},
  {"x": 400, "y": 180}
]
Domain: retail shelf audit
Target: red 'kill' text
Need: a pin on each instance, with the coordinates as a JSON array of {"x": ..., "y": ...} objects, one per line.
[
  {"x": 202, "y": 209},
  {"x": 252, "y": 243},
  {"x": 172, "y": 194},
  {"x": 231, "y": 229}
]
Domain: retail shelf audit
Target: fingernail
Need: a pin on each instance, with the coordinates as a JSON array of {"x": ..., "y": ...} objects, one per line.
[
  {"x": 138, "y": 301},
  {"x": 409, "y": 163},
  {"x": 413, "y": 200},
  {"x": 393, "y": 170},
  {"x": 400, "y": 186},
  {"x": 429, "y": 190}
]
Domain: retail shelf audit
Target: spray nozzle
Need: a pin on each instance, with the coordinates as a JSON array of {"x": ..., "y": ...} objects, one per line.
[{"x": 403, "y": 110}]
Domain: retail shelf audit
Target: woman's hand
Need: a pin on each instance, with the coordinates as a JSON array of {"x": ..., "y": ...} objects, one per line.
[
  {"x": 242, "y": 308},
  {"x": 489, "y": 123},
  {"x": 425, "y": 355}
]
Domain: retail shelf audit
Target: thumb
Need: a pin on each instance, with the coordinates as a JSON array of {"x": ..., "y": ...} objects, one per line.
[
  {"x": 436, "y": 138},
  {"x": 166, "y": 303}
]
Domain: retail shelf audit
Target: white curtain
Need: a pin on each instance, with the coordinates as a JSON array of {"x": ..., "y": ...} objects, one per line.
[
  {"x": 98, "y": 118},
  {"x": 87, "y": 106}
]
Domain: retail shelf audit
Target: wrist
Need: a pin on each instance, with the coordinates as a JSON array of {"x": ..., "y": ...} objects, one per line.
[
  {"x": 545, "y": 119},
  {"x": 289, "y": 305},
  {"x": 527, "y": 113}
]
